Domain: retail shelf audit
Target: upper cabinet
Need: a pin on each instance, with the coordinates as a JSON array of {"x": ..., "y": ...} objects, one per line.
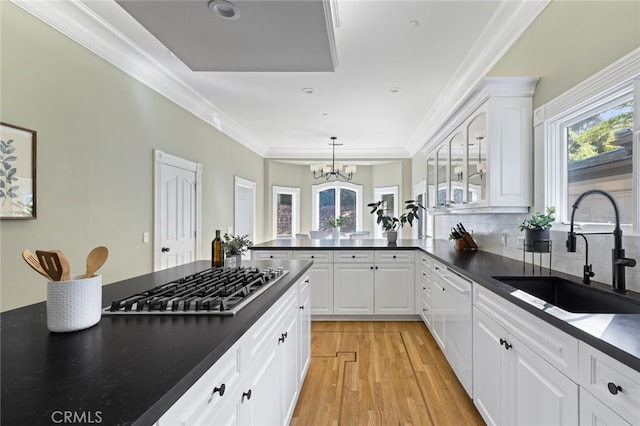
[{"x": 481, "y": 159}]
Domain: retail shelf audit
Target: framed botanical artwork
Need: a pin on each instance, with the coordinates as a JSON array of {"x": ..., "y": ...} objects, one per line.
[{"x": 17, "y": 172}]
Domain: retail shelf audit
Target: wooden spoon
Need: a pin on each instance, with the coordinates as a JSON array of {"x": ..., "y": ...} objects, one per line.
[
  {"x": 95, "y": 260},
  {"x": 33, "y": 261},
  {"x": 50, "y": 262}
]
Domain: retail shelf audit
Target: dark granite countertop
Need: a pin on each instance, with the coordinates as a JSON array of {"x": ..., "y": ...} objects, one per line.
[
  {"x": 617, "y": 335},
  {"x": 124, "y": 370}
]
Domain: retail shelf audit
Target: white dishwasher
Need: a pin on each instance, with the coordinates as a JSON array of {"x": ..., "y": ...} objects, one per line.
[{"x": 458, "y": 328}]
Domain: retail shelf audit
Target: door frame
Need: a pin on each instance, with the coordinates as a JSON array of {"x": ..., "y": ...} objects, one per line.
[
  {"x": 241, "y": 182},
  {"x": 161, "y": 158}
]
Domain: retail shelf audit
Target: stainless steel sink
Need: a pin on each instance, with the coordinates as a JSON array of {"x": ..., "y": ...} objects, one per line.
[{"x": 573, "y": 297}]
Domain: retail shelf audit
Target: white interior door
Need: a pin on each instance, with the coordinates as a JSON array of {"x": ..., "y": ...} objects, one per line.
[
  {"x": 388, "y": 194},
  {"x": 244, "y": 212},
  {"x": 177, "y": 211}
]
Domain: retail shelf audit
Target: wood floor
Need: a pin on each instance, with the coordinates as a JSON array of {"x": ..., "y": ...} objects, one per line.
[{"x": 380, "y": 373}]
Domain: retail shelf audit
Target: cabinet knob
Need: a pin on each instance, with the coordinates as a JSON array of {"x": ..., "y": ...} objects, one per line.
[
  {"x": 165, "y": 249},
  {"x": 246, "y": 394},
  {"x": 313, "y": 257},
  {"x": 220, "y": 390},
  {"x": 353, "y": 256},
  {"x": 270, "y": 256},
  {"x": 394, "y": 256},
  {"x": 613, "y": 388},
  {"x": 371, "y": 267},
  {"x": 302, "y": 308}
]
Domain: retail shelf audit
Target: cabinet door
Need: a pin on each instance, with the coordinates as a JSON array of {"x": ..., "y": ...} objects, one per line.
[
  {"x": 595, "y": 413},
  {"x": 304, "y": 325},
  {"x": 477, "y": 149},
  {"x": 288, "y": 359},
  {"x": 394, "y": 289},
  {"x": 260, "y": 395},
  {"x": 353, "y": 289},
  {"x": 321, "y": 277},
  {"x": 490, "y": 362},
  {"x": 438, "y": 310},
  {"x": 541, "y": 394}
]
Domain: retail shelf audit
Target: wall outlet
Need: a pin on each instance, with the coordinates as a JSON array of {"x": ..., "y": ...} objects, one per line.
[
  {"x": 503, "y": 238},
  {"x": 145, "y": 237}
]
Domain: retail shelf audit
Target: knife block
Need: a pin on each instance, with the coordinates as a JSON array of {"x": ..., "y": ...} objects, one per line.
[{"x": 75, "y": 304}]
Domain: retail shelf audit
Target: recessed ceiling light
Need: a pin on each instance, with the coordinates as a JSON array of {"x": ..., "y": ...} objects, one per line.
[
  {"x": 224, "y": 9},
  {"x": 307, "y": 90},
  {"x": 395, "y": 89},
  {"x": 414, "y": 23}
]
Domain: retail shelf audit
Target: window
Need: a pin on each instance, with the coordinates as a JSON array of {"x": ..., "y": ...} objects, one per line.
[
  {"x": 337, "y": 199},
  {"x": 591, "y": 142},
  {"x": 389, "y": 195},
  {"x": 286, "y": 212}
]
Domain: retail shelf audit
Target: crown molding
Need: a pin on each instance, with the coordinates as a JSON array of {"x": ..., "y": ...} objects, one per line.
[
  {"x": 342, "y": 155},
  {"x": 505, "y": 27},
  {"x": 80, "y": 21}
]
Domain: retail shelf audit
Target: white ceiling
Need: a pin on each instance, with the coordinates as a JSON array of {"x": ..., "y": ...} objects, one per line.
[{"x": 434, "y": 52}]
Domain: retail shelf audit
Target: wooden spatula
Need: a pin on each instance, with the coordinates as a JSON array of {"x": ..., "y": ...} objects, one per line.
[
  {"x": 50, "y": 262},
  {"x": 32, "y": 261},
  {"x": 65, "y": 265}
]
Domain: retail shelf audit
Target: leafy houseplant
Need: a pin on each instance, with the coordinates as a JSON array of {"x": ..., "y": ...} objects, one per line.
[
  {"x": 235, "y": 246},
  {"x": 536, "y": 230},
  {"x": 390, "y": 224},
  {"x": 335, "y": 224}
]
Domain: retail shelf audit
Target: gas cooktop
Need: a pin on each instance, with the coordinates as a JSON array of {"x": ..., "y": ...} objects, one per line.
[{"x": 214, "y": 291}]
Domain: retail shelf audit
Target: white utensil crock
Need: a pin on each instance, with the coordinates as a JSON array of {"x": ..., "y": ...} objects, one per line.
[{"x": 75, "y": 304}]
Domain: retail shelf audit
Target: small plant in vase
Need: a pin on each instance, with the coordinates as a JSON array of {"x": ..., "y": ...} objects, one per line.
[
  {"x": 536, "y": 230},
  {"x": 391, "y": 224},
  {"x": 335, "y": 225},
  {"x": 234, "y": 247}
]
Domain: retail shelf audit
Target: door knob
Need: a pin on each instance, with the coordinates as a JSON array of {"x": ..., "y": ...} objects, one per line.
[{"x": 165, "y": 249}]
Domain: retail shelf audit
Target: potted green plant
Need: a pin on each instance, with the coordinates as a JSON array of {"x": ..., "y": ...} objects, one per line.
[
  {"x": 536, "y": 230},
  {"x": 335, "y": 225},
  {"x": 234, "y": 247},
  {"x": 391, "y": 224}
]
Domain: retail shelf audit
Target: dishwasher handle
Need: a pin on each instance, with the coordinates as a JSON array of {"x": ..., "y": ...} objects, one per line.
[{"x": 455, "y": 286}]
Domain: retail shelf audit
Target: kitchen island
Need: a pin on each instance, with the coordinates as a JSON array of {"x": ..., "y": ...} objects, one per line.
[{"x": 127, "y": 369}]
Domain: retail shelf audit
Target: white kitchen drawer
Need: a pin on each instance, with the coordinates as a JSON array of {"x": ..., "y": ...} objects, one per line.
[
  {"x": 271, "y": 255},
  {"x": 423, "y": 260},
  {"x": 318, "y": 256},
  {"x": 353, "y": 256},
  {"x": 206, "y": 394},
  {"x": 552, "y": 344},
  {"x": 394, "y": 256},
  {"x": 599, "y": 372}
]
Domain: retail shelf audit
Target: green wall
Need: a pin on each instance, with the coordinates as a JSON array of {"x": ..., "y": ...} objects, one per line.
[
  {"x": 570, "y": 41},
  {"x": 97, "y": 128}
]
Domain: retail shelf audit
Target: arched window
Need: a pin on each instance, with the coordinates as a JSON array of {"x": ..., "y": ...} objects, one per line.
[{"x": 337, "y": 199}]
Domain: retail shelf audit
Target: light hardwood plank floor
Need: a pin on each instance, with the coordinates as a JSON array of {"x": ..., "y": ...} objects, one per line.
[{"x": 380, "y": 373}]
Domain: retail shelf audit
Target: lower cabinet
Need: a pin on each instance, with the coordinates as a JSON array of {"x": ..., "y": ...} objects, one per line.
[
  {"x": 595, "y": 413},
  {"x": 513, "y": 385},
  {"x": 353, "y": 289},
  {"x": 321, "y": 277},
  {"x": 259, "y": 379}
]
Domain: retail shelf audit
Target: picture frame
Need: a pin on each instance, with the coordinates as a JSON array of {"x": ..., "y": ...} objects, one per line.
[{"x": 17, "y": 172}]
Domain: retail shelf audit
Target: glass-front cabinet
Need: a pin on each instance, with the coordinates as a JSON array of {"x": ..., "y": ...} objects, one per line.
[
  {"x": 442, "y": 162},
  {"x": 476, "y": 166},
  {"x": 431, "y": 182},
  {"x": 482, "y": 157}
]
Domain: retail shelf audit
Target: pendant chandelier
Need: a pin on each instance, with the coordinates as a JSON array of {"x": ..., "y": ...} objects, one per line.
[{"x": 324, "y": 171}]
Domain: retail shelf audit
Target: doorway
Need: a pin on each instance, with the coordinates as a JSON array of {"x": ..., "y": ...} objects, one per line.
[
  {"x": 244, "y": 207},
  {"x": 177, "y": 211}
]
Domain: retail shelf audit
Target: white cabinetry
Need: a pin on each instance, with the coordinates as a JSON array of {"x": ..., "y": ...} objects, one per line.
[
  {"x": 608, "y": 381},
  {"x": 424, "y": 266},
  {"x": 258, "y": 380},
  {"x": 271, "y": 255},
  {"x": 595, "y": 413},
  {"x": 321, "y": 275},
  {"x": 374, "y": 282},
  {"x": 452, "y": 325},
  {"x": 483, "y": 153},
  {"x": 394, "y": 278},
  {"x": 353, "y": 285},
  {"x": 513, "y": 381}
]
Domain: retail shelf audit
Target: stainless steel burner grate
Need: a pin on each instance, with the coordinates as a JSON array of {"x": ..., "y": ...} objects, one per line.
[{"x": 215, "y": 291}]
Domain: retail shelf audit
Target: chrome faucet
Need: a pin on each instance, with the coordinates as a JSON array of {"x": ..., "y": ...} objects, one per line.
[{"x": 618, "y": 261}]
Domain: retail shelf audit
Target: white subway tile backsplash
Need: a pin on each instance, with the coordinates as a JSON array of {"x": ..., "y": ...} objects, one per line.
[{"x": 488, "y": 228}]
